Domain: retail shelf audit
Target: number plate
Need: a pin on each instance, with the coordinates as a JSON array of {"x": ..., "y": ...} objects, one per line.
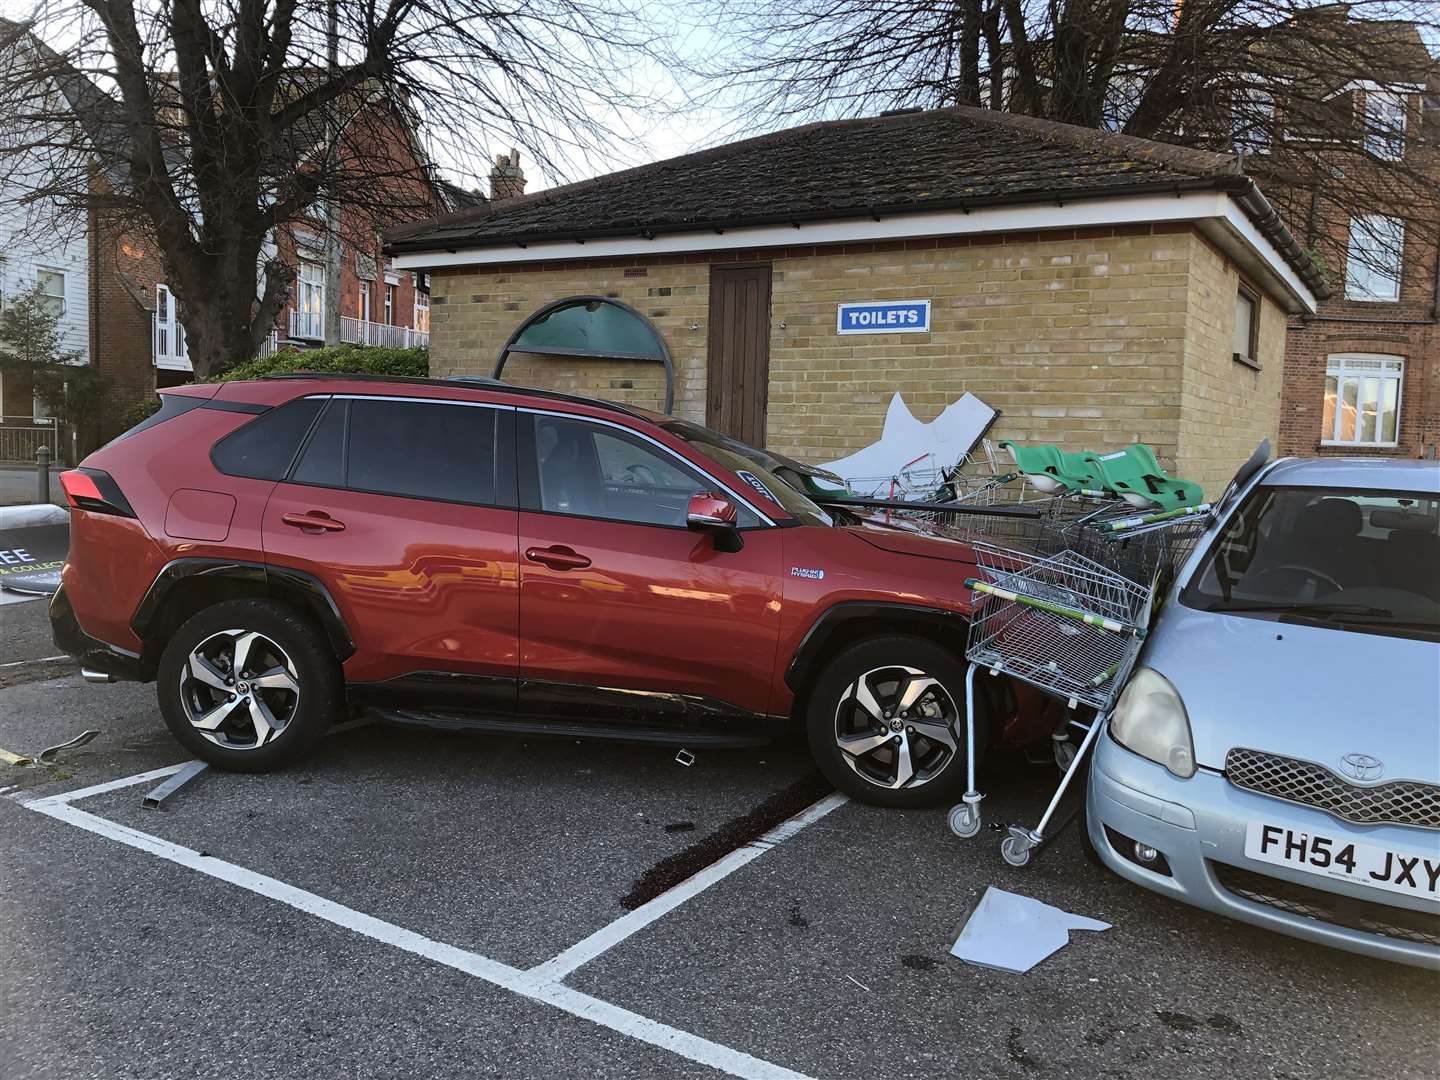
[{"x": 1410, "y": 873}]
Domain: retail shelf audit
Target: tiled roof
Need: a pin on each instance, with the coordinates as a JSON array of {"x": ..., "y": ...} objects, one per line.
[{"x": 940, "y": 159}]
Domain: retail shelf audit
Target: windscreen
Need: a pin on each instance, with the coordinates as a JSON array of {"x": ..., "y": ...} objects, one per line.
[
  {"x": 751, "y": 465},
  {"x": 1356, "y": 560}
]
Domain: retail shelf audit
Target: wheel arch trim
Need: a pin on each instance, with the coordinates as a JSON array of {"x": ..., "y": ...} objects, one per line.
[
  {"x": 276, "y": 582},
  {"x": 814, "y": 645}
]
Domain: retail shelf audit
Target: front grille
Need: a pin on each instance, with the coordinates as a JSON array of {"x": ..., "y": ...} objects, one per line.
[
  {"x": 1401, "y": 802},
  {"x": 1364, "y": 915}
]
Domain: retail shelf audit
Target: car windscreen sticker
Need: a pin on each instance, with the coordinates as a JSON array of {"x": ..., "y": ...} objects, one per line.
[{"x": 755, "y": 482}]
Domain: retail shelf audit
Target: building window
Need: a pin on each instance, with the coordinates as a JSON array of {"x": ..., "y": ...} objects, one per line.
[
  {"x": 422, "y": 312},
  {"x": 364, "y": 311},
  {"x": 1362, "y": 400},
  {"x": 170, "y": 350},
  {"x": 1252, "y": 118},
  {"x": 1384, "y": 125},
  {"x": 52, "y": 291},
  {"x": 1245, "y": 341},
  {"x": 1374, "y": 257},
  {"x": 309, "y": 314},
  {"x": 389, "y": 305}
]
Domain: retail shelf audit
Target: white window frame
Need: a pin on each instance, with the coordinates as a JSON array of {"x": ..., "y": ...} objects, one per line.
[
  {"x": 171, "y": 351},
  {"x": 1385, "y": 118},
  {"x": 1360, "y": 277},
  {"x": 422, "y": 303},
  {"x": 310, "y": 297},
  {"x": 390, "y": 291},
  {"x": 365, "y": 303},
  {"x": 41, "y": 273},
  {"x": 1383, "y": 367},
  {"x": 1246, "y": 137}
]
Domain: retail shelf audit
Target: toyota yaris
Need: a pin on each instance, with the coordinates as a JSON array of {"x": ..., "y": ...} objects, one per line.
[{"x": 1276, "y": 755}]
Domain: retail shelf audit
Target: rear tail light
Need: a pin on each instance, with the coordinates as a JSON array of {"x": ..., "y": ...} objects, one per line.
[{"x": 96, "y": 491}]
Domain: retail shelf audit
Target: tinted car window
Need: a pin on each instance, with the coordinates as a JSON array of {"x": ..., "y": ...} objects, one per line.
[
  {"x": 1360, "y": 560},
  {"x": 597, "y": 471},
  {"x": 264, "y": 448},
  {"x": 322, "y": 461},
  {"x": 427, "y": 450},
  {"x": 171, "y": 406}
]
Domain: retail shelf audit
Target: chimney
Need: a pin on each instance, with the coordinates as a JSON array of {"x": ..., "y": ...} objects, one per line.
[{"x": 507, "y": 179}]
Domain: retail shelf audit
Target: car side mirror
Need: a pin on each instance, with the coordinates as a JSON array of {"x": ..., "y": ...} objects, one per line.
[{"x": 712, "y": 513}]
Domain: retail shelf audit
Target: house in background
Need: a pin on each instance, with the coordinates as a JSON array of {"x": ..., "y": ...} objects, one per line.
[
  {"x": 1090, "y": 286},
  {"x": 109, "y": 286},
  {"x": 1363, "y": 372},
  {"x": 43, "y": 245}
]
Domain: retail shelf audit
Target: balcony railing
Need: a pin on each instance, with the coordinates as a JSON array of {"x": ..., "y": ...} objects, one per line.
[
  {"x": 168, "y": 347},
  {"x": 171, "y": 353},
  {"x": 308, "y": 325},
  {"x": 364, "y": 332}
]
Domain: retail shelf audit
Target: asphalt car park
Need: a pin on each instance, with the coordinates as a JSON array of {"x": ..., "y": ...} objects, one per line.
[{"x": 421, "y": 904}]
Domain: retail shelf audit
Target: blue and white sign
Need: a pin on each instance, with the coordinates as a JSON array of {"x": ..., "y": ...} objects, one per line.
[{"x": 884, "y": 317}]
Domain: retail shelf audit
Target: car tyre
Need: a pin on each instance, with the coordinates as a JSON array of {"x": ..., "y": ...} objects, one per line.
[
  {"x": 248, "y": 685},
  {"x": 853, "y": 734}
]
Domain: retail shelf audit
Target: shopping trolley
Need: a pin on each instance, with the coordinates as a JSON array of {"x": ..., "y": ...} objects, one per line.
[{"x": 1063, "y": 603}]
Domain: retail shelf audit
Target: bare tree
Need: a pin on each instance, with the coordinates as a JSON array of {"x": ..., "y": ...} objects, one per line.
[
  {"x": 210, "y": 125},
  {"x": 1273, "y": 80}
]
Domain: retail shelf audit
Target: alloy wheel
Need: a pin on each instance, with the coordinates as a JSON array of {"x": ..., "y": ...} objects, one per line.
[
  {"x": 239, "y": 689},
  {"x": 895, "y": 727}
]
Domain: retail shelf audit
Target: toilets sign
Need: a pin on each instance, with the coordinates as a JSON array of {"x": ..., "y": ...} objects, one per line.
[{"x": 884, "y": 317}]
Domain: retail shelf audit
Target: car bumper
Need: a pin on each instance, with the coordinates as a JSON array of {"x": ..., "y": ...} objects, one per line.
[
  {"x": 71, "y": 639},
  {"x": 1199, "y": 824}
]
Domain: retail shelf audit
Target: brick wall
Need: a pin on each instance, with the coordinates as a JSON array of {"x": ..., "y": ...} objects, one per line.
[
  {"x": 1226, "y": 407},
  {"x": 474, "y": 312},
  {"x": 124, "y": 270},
  {"x": 1407, "y": 329},
  {"x": 1088, "y": 338}
]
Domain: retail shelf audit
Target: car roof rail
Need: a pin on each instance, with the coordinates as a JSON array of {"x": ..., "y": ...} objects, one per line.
[{"x": 479, "y": 382}]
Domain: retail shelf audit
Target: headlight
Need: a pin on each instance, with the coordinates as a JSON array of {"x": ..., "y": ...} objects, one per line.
[{"x": 1150, "y": 719}]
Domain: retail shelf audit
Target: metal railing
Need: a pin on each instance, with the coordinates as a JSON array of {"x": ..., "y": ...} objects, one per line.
[
  {"x": 167, "y": 344},
  {"x": 21, "y": 436},
  {"x": 171, "y": 353},
  {"x": 364, "y": 332}
]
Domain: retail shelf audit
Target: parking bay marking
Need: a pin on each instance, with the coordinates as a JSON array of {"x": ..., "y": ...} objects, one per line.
[
  {"x": 607, "y": 937},
  {"x": 541, "y": 983}
]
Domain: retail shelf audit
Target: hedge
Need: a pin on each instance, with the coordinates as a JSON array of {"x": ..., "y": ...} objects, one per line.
[
  {"x": 355, "y": 359},
  {"x": 363, "y": 359}
]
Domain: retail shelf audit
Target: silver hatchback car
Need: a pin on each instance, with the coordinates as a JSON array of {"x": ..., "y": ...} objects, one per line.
[{"x": 1276, "y": 755}]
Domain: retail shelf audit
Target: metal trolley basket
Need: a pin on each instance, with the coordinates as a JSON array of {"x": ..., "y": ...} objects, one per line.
[{"x": 1064, "y": 603}]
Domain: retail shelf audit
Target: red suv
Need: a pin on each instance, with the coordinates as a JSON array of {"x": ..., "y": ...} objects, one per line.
[{"x": 469, "y": 554}]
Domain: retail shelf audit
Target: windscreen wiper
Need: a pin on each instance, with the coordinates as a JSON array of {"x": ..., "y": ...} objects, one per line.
[{"x": 1301, "y": 607}]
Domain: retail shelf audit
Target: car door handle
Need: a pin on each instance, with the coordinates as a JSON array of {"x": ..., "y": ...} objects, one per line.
[
  {"x": 315, "y": 519},
  {"x": 557, "y": 558}
]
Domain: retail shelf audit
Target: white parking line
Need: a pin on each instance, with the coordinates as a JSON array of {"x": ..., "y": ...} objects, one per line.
[
  {"x": 528, "y": 984},
  {"x": 607, "y": 937},
  {"x": 41, "y": 660}
]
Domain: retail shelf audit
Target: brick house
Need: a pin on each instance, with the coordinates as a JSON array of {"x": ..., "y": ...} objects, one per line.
[
  {"x": 1363, "y": 371},
  {"x": 119, "y": 314},
  {"x": 136, "y": 330},
  {"x": 1095, "y": 288}
]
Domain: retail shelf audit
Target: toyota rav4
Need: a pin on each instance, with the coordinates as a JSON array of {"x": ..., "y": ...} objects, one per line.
[{"x": 473, "y": 555}]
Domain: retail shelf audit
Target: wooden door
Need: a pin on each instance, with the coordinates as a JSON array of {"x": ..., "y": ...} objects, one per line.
[{"x": 738, "y": 371}]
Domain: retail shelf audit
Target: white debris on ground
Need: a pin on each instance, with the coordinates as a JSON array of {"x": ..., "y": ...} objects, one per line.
[{"x": 1014, "y": 933}]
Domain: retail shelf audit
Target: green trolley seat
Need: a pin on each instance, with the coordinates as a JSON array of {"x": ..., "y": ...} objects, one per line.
[{"x": 1136, "y": 476}]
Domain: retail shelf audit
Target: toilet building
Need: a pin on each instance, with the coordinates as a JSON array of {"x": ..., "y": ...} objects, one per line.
[{"x": 1096, "y": 289}]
